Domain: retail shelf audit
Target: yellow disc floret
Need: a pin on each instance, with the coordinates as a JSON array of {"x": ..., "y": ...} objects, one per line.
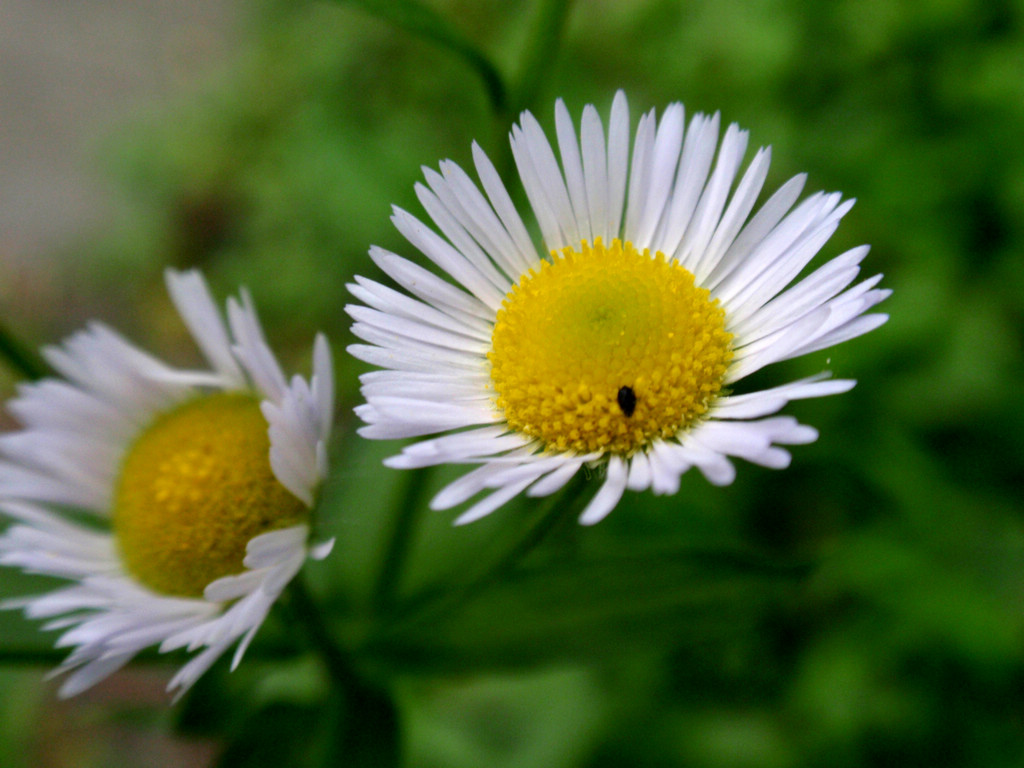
[
  {"x": 195, "y": 487},
  {"x": 607, "y": 348}
]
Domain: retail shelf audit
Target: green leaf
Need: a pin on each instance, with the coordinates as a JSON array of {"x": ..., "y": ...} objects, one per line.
[
  {"x": 21, "y": 640},
  {"x": 355, "y": 727},
  {"x": 589, "y": 610},
  {"x": 278, "y": 735}
]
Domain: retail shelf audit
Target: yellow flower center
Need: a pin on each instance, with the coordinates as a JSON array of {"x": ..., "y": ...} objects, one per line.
[
  {"x": 606, "y": 349},
  {"x": 195, "y": 487}
]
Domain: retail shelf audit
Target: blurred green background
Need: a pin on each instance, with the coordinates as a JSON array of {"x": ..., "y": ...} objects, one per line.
[{"x": 864, "y": 607}]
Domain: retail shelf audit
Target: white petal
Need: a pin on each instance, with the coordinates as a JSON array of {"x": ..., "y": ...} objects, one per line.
[
  {"x": 448, "y": 258},
  {"x": 608, "y": 496},
  {"x": 492, "y": 502},
  {"x": 556, "y": 480},
  {"x": 192, "y": 298}
]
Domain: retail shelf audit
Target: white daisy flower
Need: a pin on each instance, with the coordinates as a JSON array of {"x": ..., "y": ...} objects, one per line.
[
  {"x": 620, "y": 339},
  {"x": 178, "y": 502}
]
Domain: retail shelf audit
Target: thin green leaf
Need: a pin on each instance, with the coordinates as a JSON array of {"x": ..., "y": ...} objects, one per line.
[{"x": 592, "y": 610}]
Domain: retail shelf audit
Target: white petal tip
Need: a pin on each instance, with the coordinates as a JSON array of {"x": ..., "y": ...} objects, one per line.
[{"x": 321, "y": 550}]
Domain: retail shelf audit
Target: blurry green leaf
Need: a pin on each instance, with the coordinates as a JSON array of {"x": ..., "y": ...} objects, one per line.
[
  {"x": 211, "y": 707},
  {"x": 352, "y": 728},
  {"x": 19, "y": 356},
  {"x": 596, "y": 610},
  {"x": 504, "y": 721},
  {"x": 280, "y": 736},
  {"x": 19, "y": 706},
  {"x": 22, "y": 640}
]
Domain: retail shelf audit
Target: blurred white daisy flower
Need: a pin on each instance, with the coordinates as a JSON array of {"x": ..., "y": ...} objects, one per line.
[
  {"x": 177, "y": 502},
  {"x": 620, "y": 340}
]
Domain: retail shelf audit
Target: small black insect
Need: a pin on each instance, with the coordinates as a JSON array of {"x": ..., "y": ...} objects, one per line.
[{"x": 627, "y": 400}]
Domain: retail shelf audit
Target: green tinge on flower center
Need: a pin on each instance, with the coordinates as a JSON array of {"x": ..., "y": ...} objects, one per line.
[
  {"x": 194, "y": 488},
  {"x": 607, "y": 348}
]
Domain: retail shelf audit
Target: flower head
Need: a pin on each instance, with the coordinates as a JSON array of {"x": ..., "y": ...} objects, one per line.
[
  {"x": 178, "y": 502},
  {"x": 622, "y": 339}
]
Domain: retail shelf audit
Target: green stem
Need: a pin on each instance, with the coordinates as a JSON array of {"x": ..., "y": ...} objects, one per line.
[
  {"x": 423, "y": 21},
  {"x": 311, "y": 616},
  {"x": 400, "y": 540},
  {"x": 368, "y": 728},
  {"x": 558, "y": 508},
  {"x": 555, "y": 510},
  {"x": 545, "y": 39},
  {"x": 19, "y": 357},
  {"x": 535, "y": 62}
]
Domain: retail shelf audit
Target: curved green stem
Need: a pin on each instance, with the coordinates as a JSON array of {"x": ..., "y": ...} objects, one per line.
[
  {"x": 311, "y": 616},
  {"x": 557, "y": 509},
  {"x": 544, "y": 40},
  {"x": 535, "y": 61},
  {"x": 368, "y": 728},
  {"x": 400, "y": 540},
  {"x": 423, "y": 21}
]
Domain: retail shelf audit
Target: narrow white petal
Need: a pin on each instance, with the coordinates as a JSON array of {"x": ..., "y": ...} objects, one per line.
[
  {"x": 618, "y": 162},
  {"x": 857, "y": 327},
  {"x": 492, "y": 502},
  {"x": 498, "y": 196},
  {"x": 92, "y": 673},
  {"x": 438, "y": 349},
  {"x": 252, "y": 350},
  {"x": 194, "y": 303},
  {"x": 448, "y": 258},
  {"x": 415, "y": 329},
  {"x": 595, "y": 176},
  {"x": 694, "y": 165},
  {"x": 664, "y": 158},
  {"x": 429, "y": 287},
  {"x": 763, "y": 222},
  {"x": 547, "y": 181},
  {"x": 639, "y": 175},
  {"x": 768, "y": 401},
  {"x": 393, "y": 302},
  {"x": 776, "y": 346},
  {"x": 735, "y": 215},
  {"x": 608, "y": 496},
  {"x": 465, "y": 487},
  {"x": 467, "y": 203},
  {"x": 639, "y": 478},
  {"x": 556, "y": 479},
  {"x": 422, "y": 359},
  {"x": 813, "y": 291},
  {"x": 667, "y": 467},
  {"x": 785, "y": 267},
  {"x": 457, "y": 235},
  {"x": 572, "y": 165},
  {"x": 712, "y": 200}
]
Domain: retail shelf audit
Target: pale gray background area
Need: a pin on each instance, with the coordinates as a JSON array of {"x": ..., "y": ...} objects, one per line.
[{"x": 69, "y": 71}]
